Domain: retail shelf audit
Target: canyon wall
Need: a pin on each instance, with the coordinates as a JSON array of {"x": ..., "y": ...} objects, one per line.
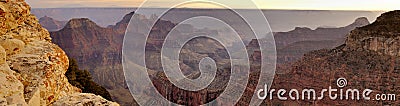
[{"x": 32, "y": 68}]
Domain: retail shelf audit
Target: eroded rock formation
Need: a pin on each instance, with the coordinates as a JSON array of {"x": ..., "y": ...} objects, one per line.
[
  {"x": 31, "y": 67},
  {"x": 51, "y": 24}
]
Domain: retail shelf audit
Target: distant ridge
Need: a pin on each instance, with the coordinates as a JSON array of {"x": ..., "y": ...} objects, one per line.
[{"x": 51, "y": 24}]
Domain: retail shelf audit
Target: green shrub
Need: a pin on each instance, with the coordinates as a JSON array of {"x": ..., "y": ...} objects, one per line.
[{"x": 83, "y": 80}]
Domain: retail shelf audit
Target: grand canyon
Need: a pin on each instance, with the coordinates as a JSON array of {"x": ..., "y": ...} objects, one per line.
[
  {"x": 306, "y": 57},
  {"x": 81, "y": 56}
]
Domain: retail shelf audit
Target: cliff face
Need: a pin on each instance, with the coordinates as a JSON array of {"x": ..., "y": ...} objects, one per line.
[
  {"x": 31, "y": 67},
  {"x": 368, "y": 60},
  {"x": 383, "y": 36}
]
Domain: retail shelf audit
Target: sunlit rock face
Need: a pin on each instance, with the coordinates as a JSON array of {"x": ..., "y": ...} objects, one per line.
[
  {"x": 31, "y": 67},
  {"x": 382, "y": 36}
]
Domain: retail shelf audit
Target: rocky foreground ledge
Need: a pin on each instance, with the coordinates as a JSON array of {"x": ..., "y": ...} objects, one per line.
[{"x": 31, "y": 67}]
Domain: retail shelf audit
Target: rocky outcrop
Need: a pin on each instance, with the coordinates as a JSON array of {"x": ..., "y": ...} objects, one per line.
[
  {"x": 383, "y": 36},
  {"x": 14, "y": 94},
  {"x": 31, "y": 67},
  {"x": 51, "y": 24}
]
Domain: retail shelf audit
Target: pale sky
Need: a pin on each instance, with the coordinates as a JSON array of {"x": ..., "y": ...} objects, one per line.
[{"x": 263, "y": 4}]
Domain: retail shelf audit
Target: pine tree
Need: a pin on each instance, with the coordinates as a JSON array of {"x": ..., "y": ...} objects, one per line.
[{"x": 83, "y": 80}]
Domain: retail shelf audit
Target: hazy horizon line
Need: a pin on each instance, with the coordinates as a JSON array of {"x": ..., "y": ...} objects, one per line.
[{"x": 201, "y": 8}]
